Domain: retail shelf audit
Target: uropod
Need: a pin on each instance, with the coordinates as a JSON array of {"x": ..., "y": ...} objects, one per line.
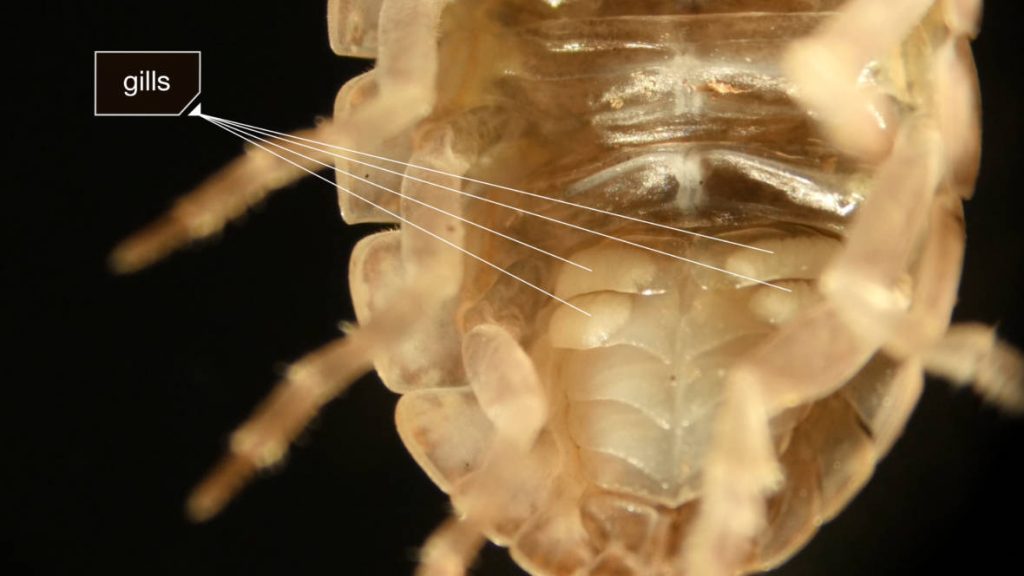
[{"x": 617, "y": 410}]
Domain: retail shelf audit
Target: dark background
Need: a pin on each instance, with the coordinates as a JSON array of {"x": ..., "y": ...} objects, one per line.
[{"x": 120, "y": 392}]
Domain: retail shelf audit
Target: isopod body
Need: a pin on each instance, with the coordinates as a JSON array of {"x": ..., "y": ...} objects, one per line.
[{"x": 666, "y": 277}]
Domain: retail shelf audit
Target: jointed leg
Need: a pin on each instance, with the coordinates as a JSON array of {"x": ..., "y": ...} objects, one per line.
[
  {"x": 826, "y": 69},
  {"x": 957, "y": 101},
  {"x": 970, "y": 354},
  {"x": 264, "y": 439},
  {"x": 806, "y": 360},
  {"x": 936, "y": 280},
  {"x": 739, "y": 474},
  {"x": 868, "y": 281},
  {"x": 221, "y": 198},
  {"x": 962, "y": 16},
  {"x": 309, "y": 384},
  {"x": 809, "y": 358},
  {"x": 820, "y": 350},
  {"x": 450, "y": 549},
  {"x": 865, "y": 305},
  {"x": 510, "y": 393}
]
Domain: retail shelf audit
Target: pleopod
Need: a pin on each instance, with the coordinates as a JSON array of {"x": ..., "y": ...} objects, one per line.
[{"x": 665, "y": 276}]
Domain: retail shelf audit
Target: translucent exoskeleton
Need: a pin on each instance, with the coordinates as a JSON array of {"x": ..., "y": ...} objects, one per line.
[{"x": 586, "y": 398}]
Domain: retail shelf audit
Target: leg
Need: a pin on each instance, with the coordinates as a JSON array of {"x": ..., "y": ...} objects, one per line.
[
  {"x": 971, "y": 354},
  {"x": 506, "y": 487},
  {"x": 806, "y": 360},
  {"x": 512, "y": 397},
  {"x": 809, "y": 358},
  {"x": 739, "y": 473},
  {"x": 967, "y": 353},
  {"x": 868, "y": 282},
  {"x": 263, "y": 440},
  {"x": 936, "y": 281},
  {"x": 221, "y": 198},
  {"x": 506, "y": 384},
  {"x": 957, "y": 99},
  {"x": 826, "y": 68},
  {"x": 450, "y": 549},
  {"x": 352, "y": 27},
  {"x": 309, "y": 384},
  {"x": 962, "y": 16},
  {"x": 817, "y": 352}
]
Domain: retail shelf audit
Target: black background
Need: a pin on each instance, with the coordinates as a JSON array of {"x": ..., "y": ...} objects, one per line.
[{"x": 119, "y": 392}]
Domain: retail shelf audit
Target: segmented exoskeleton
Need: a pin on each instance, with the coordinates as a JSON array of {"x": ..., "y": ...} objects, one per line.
[{"x": 618, "y": 411}]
